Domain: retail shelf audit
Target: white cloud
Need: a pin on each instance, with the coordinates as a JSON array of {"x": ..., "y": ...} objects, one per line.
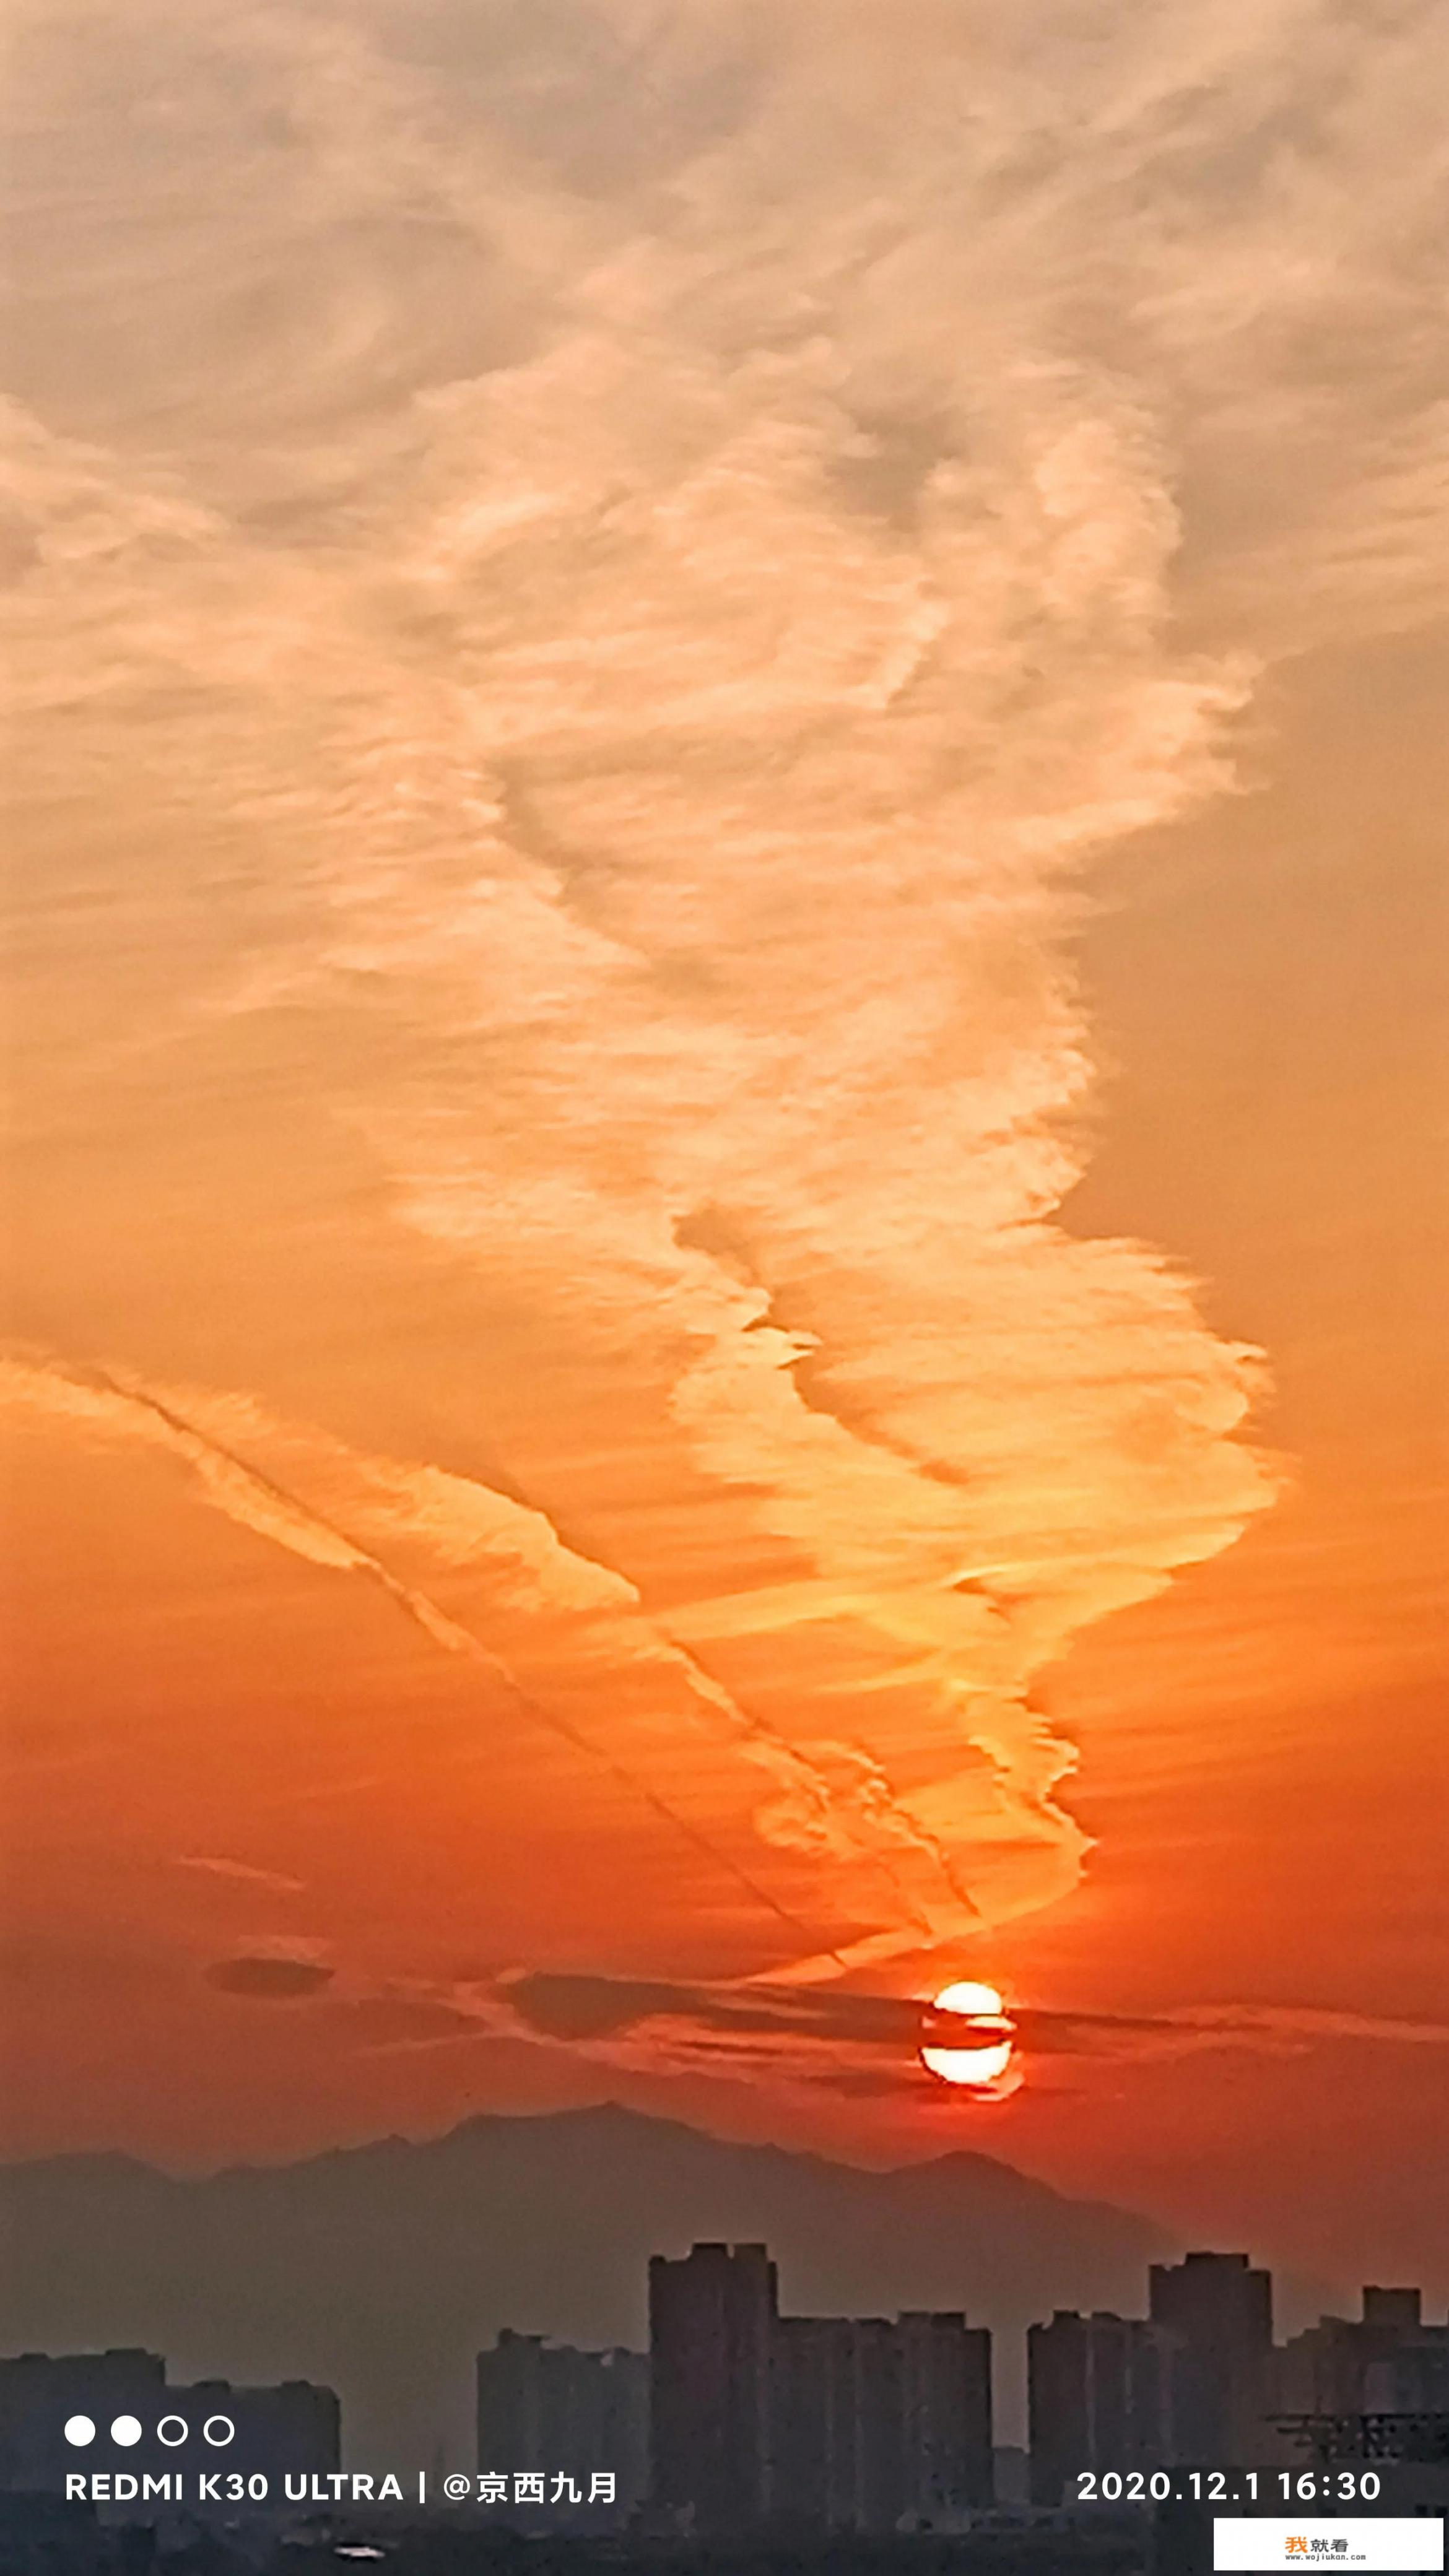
[{"x": 671, "y": 685}]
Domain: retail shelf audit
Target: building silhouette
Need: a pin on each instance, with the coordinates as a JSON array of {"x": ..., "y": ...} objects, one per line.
[
  {"x": 293, "y": 2427},
  {"x": 1394, "y": 2312},
  {"x": 40, "y": 2392},
  {"x": 1200, "y": 2385},
  {"x": 1372, "y": 2389},
  {"x": 549, "y": 2406},
  {"x": 1322, "y": 2370},
  {"x": 1221, "y": 2313},
  {"x": 1100, "y": 2395},
  {"x": 813, "y": 2419},
  {"x": 1413, "y": 2379},
  {"x": 879, "y": 2429},
  {"x": 874, "y": 2423},
  {"x": 946, "y": 2423},
  {"x": 742, "y": 2421},
  {"x": 859, "y": 2424},
  {"x": 712, "y": 2322},
  {"x": 1407, "y": 2370}
]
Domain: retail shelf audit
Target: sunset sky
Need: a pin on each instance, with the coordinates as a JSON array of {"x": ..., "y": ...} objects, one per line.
[{"x": 727, "y": 1013}]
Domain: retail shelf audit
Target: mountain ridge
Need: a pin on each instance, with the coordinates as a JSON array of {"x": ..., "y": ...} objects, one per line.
[{"x": 382, "y": 2267}]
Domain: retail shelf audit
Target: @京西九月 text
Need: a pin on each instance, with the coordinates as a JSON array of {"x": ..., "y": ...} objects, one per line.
[{"x": 532, "y": 2486}]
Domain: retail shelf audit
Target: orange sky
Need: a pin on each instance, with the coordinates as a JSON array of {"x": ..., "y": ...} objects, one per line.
[{"x": 728, "y": 1009}]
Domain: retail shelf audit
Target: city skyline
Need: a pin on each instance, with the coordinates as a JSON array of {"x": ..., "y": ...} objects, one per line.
[
  {"x": 726, "y": 1225},
  {"x": 743, "y": 2414}
]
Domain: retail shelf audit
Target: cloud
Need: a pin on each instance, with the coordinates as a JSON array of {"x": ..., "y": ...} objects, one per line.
[
  {"x": 846, "y": 2040},
  {"x": 269, "y": 1979},
  {"x": 580, "y": 2007},
  {"x": 657, "y": 537},
  {"x": 459, "y": 1522},
  {"x": 244, "y": 1873}
]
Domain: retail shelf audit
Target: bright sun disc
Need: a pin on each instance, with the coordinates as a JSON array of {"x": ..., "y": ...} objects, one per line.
[{"x": 974, "y": 2003}]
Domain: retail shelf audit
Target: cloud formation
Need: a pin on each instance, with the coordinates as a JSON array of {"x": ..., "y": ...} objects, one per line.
[
  {"x": 269, "y": 1979},
  {"x": 853, "y": 2044},
  {"x": 657, "y": 536}
]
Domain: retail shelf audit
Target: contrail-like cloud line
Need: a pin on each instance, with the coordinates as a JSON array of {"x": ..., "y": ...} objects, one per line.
[
  {"x": 857, "y": 1816},
  {"x": 253, "y": 1498}
]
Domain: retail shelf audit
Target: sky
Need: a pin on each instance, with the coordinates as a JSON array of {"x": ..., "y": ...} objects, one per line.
[{"x": 726, "y": 1026}]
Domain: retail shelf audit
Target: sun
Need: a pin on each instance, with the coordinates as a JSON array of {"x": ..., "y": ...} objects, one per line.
[{"x": 983, "y": 2018}]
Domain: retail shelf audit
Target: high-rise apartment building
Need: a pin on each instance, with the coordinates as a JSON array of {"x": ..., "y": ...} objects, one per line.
[
  {"x": 880, "y": 2463},
  {"x": 1221, "y": 2312},
  {"x": 1334, "y": 2367},
  {"x": 813, "y": 2423},
  {"x": 1099, "y": 2396},
  {"x": 866, "y": 2423},
  {"x": 711, "y": 2327},
  {"x": 946, "y": 2413},
  {"x": 549, "y": 2406},
  {"x": 1393, "y": 2312}
]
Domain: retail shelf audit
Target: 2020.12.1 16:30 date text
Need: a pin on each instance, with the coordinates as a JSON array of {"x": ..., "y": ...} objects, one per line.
[{"x": 1227, "y": 2486}]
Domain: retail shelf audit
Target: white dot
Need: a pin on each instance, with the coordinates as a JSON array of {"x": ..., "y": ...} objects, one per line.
[
  {"x": 126, "y": 2430},
  {"x": 79, "y": 2429}
]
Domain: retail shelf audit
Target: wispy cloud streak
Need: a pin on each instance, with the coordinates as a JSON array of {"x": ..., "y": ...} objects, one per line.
[
  {"x": 457, "y": 1521},
  {"x": 665, "y": 608}
]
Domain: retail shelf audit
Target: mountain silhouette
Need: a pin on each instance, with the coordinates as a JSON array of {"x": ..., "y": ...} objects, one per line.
[{"x": 381, "y": 2269}]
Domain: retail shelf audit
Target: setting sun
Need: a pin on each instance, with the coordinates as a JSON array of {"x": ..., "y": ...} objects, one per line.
[{"x": 980, "y": 2010}]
